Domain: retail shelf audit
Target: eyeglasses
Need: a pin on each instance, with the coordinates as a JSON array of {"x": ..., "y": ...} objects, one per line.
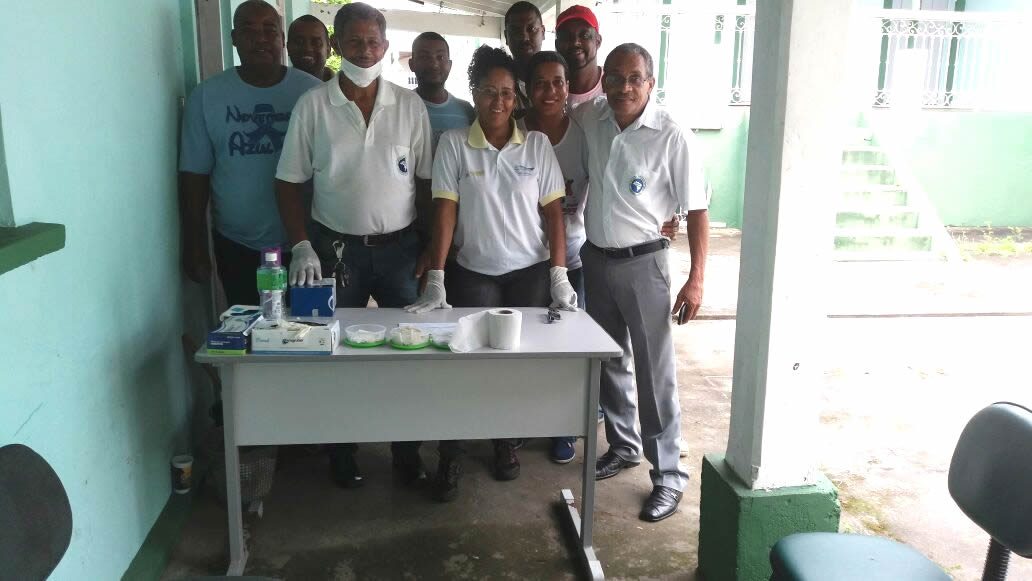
[
  {"x": 613, "y": 81},
  {"x": 531, "y": 29},
  {"x": 490, "y": 93},
  {"x": 585, "y": 35}
]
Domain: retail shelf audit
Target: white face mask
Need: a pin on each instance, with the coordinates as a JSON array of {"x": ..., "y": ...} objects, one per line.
[{"x": 356, "y": 74}]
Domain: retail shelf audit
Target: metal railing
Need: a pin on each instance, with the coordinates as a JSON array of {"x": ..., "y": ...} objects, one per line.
[
  {"x": 932, "y": 59},
  {"x": 948, "y": 59}
]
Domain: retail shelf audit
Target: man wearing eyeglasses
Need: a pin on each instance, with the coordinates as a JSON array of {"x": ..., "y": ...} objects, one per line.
[
  {"x": 577, "y": 39},
  {"x": 524, "y": 33},
  {"x": 641, "y": 167}
]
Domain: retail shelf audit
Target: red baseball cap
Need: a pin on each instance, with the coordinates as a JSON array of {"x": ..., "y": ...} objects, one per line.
[{"x": 577, "y": 12}]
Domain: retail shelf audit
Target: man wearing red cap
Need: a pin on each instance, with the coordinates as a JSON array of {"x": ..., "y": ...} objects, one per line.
[{"x": 577, "y": 39}]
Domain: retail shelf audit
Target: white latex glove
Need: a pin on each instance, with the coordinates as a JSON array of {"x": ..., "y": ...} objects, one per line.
[
  {"x": 433, "y": 295},
  {"x": 563, "y": 295},
  {"x": 305, "y": 267}
]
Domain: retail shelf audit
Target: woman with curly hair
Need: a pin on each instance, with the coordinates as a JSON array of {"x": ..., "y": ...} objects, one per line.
[{"x": 510, "y": 237}]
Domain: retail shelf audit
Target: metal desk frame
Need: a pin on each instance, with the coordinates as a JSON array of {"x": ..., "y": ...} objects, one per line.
[{"x": 384, "y": 394}]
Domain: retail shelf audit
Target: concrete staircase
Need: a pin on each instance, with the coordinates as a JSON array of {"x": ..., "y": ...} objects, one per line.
[{"x": 879, "y": 218}]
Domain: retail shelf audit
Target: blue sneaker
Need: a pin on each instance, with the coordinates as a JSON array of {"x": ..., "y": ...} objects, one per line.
[{"x": 562, "y": 450}]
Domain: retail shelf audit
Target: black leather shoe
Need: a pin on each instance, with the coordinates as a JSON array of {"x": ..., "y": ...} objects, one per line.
[
  {"x": 660, "y": 504},
  {"x": 344, "y": 470},
  {"x": 409, "y": 468},
  {"x": 506, "y": 464},
  {"x": 446, "y": 482},
  {"x": 609, "y": 465}
]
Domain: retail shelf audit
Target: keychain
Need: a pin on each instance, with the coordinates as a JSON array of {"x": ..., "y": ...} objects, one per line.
[{"x": 340, "y": 270}]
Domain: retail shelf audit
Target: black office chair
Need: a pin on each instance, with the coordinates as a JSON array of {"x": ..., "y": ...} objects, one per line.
[
  {"x": 991, "y": 481},
  {"x": 36, "y": 519}
]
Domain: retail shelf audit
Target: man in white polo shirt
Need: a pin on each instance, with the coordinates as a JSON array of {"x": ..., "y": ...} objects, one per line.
[
  {"x": 641, "y": 167},
  {"x": 366, "y": 144}
]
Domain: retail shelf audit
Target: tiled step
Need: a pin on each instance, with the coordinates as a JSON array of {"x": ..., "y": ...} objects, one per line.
[
  {"x": 875, "y": 216},
  {"x": 876, "y": 194},
  {"x": 881, "y": 239},
  {"x": 868, "y": 174},
  {"x": 864, "y": 155}
]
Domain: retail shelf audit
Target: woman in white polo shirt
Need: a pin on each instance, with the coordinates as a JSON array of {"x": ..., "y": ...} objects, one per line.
[
  {"x": 548, "y": 88},
  {"x": 509, "y": 236}
]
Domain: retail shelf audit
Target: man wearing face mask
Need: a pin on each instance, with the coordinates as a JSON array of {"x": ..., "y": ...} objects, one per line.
[
  {"x": 308, "y": 46},
  {"x": 366, "y": 144},
  {"x": 233, "y": 130},
  {"x": 524, "y": 33}
]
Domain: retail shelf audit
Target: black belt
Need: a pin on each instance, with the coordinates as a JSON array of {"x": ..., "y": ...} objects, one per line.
[
  {"x": 367, "y": 239},
  {"x": 632, "y": 251}
]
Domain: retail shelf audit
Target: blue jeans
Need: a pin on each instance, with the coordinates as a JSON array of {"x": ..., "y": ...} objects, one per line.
[{"x": 383, "y": 272}]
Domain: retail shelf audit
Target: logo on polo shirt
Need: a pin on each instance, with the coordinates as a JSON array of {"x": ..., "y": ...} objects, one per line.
[
  {"x": 403, "y": 165},
  {"x": 637, "y": 185},
  {"x": 522, "y": 170}
]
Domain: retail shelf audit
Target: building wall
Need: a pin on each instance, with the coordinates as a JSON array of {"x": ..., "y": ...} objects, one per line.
[
  {"x": 974, "y": 166},
  {"x": 724, "y": 152},
  {"x": 94, "y": 377}
]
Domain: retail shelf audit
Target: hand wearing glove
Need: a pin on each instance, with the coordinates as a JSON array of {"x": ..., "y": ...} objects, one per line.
[
  {"x": 305, "y": 267},
  {"x": 563, "y": 295},
  {"x": 433, "y": 296}
]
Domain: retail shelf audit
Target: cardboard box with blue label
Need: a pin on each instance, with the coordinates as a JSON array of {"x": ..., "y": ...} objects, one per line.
[
  {"x": 232, "y": 337},
  {"x": 317, "y": 300},
  {"x": 311, "y": 336}
]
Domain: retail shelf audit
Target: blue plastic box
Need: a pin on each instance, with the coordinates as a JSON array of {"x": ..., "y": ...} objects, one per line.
[{"x": 317, "y": 300}]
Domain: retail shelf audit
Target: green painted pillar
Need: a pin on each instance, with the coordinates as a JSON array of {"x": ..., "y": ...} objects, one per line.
[
  {"x": 767, "y": 486},
  {"x": 739, "y": 525}
]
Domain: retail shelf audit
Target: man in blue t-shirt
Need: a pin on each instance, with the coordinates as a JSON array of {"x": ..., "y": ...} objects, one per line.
[
  {"x": 233, "y": 131},
  {"x": 431, "y": 63}
]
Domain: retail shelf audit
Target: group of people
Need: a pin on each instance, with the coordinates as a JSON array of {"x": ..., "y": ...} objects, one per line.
[{"x": 559, "y": 186}]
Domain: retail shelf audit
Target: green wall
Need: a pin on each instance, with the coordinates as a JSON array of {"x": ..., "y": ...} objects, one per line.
[
  {"x": 94, "y": 377},
  {"x": 976, "y": 167},
  {"x": 724, "y": 152}
]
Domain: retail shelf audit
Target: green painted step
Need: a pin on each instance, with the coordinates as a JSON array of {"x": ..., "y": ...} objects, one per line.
[
  {"x": 870, "y": 240},
  {"x": 884, "y": 217},
  {"x": 874, "y": 194},
  {"x": 869, "y": 174},
  {"x": 864, "y": 155}
]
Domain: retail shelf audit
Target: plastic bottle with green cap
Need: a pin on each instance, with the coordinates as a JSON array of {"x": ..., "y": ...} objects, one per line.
[{"x": 272, "y": 284}]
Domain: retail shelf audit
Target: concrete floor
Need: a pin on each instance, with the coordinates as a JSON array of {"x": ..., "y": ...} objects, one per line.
[{"x": 897, "y": 392}]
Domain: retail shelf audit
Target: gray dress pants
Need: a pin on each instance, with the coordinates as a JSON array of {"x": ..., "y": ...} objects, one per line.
[{"x": 630, "y": 299}]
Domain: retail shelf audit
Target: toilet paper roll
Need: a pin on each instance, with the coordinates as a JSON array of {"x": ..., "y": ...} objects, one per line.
[{"x": 503, "y": 328}]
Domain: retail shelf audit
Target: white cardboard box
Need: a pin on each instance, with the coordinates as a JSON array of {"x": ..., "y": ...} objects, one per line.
[{"x": 319, "y": 338}]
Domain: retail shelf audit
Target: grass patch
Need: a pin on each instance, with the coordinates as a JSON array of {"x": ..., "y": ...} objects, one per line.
[
  {"x": 865, "y": 516},
  {"x": 993, "y": 241}
]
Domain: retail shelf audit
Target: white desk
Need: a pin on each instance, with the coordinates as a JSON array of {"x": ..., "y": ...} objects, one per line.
[{"x": 549, "y": 387}]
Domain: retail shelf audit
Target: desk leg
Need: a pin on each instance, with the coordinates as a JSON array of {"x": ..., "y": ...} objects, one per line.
[
  {"x": 237, "y": 550},
  {"x": 583, "y": 525}
]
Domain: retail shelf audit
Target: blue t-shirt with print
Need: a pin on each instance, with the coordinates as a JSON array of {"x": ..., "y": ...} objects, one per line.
[
  {"x": 234, "y": 132},
  {"x": 452, "y": 114}
]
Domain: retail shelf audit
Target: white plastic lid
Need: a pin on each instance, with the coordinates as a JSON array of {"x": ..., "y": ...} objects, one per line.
[{"x": 271, "y": 257}]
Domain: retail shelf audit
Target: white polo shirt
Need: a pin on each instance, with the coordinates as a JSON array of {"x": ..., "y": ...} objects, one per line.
[
  {"x": 500, "y": 192},
  {"x": 639, "y": 176},
  {"x": 364, "y": 175},
  {"x": 572, "y": 153}
]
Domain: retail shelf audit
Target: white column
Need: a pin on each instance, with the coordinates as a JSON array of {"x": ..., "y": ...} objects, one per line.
[{"x": 792, "y": 168}]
